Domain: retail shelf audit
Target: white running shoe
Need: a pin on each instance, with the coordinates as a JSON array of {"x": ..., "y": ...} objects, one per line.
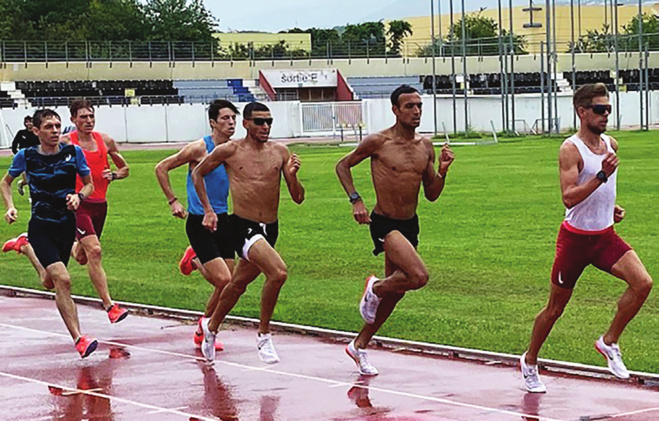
[
  {"x": 267, "y": 352},
  {"x": 532, "y": 381},
  {"x": 613, "y": 358},
  {"x": 359, "y": 356},
  {"x": 368, "y": 306},
  {"x": 208, "y": 344}
]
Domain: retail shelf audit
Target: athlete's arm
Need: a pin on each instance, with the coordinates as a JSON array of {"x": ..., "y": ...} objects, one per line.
[
  {"x": 364, "y": 150},
  {"x": 189, "y": 153},
  {"x": 433, "y": 182},
  {"x": 5, "y": 187},
  {"x": 568, "y": 161},
  {"x": 619, "y": 212},
  {"x": 208, "y": 164},
  {"x": 16, "y": 143},
  {"x": 291, "y": 167},
  {"x": 122, "y": 166},
  {"x": 73, "y": 200}
]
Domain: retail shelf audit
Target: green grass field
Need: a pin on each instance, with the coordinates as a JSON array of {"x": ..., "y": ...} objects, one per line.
[{"x": 488, "y": 243}]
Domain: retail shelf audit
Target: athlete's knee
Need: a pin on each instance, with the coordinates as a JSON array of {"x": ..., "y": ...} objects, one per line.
[
  {"x": 418, "y": 278},
  {"x": 278, "y": 276},
  {"x": 644, "y": 286},
  {"x": 220, "y": 280},
  {"x": 94, "y": 253},
  {"x": 553, "y": 313},
  {"x": 62, "y": 281}
]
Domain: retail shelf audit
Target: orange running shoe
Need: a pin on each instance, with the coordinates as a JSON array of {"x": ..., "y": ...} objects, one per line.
[
  {"x": 15, "y": 243},
  {"x": 185, "y": 265},
  {"x": 117, "y": 314},
  {"x": 199, "y": 338},
  {"x": 86, "y": 345}
]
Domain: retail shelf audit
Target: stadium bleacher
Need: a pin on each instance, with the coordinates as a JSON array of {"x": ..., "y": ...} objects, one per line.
[
  {"x": 381, "y": 86},
  {"x": 206, "y": 90},
  {"x": 485, "y": 84}
]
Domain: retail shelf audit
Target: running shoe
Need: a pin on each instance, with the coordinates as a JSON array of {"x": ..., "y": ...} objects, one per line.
[
  {"x": 613, "y": 358},
  {"x": 199, "y": 338},
  {"x": 359, "y": 356},
  {"x": 208, "y": 344},
  {"x": 267, "y": 352},
  {"x": 15, "y": 243},
  {"x": 117, "y": 314},
  {"x": 86, "y": 345},
  {"x": 532, "y": 382},
  {"x": 368, "y": 306},
  {"x": 185, "y": 265}
]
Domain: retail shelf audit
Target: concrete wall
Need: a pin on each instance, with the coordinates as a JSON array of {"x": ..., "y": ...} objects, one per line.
[
  {"x": 348, "y": 68},
  {"x": 175, "y": 123}
]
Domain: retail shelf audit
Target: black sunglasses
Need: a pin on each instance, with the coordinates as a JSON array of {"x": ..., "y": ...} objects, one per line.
[
  {"x": 261, "y": 121},
  {"x": 600, "y": 109}
]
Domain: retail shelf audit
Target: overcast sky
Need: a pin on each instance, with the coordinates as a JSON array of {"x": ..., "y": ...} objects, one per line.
[{"x": 277, "y": 15}]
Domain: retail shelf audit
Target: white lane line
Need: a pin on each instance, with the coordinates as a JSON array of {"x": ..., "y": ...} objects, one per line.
[
  {"x": 640, "y": 411},
  {"x": 302, "y": 376},
  {"x": 159, "y": 411},
  {"x": 109, "y": 397}
]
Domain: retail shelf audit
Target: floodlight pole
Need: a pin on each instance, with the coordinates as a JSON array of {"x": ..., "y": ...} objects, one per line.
[
  {"x": 615, "y": 40},
  {"x": 640, "y": 58},
  {"x": 502, "y": 82},
  {"x": 549, "y": 83},
  {"x": 574, "y": 68},
  {"x": 512, "y": 66},
  {"x": 455, "y": 112},
  {"x": 434, "y": 68},
  {"x": 464, "y": 66}
]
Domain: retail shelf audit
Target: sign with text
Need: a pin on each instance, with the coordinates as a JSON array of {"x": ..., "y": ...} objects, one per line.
[{"x": 303, "y": 78}]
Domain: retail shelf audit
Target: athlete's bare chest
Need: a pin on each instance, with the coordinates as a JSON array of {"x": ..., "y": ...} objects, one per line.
[{"x": 400, "y": 160}]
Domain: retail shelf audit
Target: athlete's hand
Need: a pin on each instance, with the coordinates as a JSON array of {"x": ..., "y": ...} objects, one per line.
[
  {"x": 610, "y": 164},
  {"x": 210, "y": 221},
  {"x": 618, "y": 213},
  {"x": 293, "y": 164},
  {"x": 178, "y": 211},
  {"x": 107, "y": 174},
  {"x": 72, "y": 202},
  {"x": 446, "y": 158},
  {"x": 11, "y": 216},
  {"x": 360, "y": 213}
]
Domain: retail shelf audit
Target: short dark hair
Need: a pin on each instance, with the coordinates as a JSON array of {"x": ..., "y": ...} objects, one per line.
[
  {"x": 216, "y": 106},
  {"x": 583, "y": 97},
  {"x": 27, "y": 118},
  {"x": 80, "y": 104},
  {"x": 253, "y": 106},
  {"x": 42, "y": 115},
  {"x": 402, "y": 89}
]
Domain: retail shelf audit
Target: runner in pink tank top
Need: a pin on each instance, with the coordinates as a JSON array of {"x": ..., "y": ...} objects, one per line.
[{"x": 588, "y": 167}]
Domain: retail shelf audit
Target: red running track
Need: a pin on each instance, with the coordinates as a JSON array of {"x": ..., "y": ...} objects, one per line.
[{"x": 147, "y": 369}]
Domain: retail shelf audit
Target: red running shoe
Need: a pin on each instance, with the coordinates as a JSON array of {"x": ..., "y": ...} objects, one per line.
[
  {"x": 117, "y": 314},
  {"x": 199, "y": 338},
  {"x": 15, "y": 243},
  {"x": 185, "y": 265},
  {"x": 86, "y": 345}
]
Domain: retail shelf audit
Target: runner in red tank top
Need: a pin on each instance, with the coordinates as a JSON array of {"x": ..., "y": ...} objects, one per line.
[{"x": 90, "y": 217}]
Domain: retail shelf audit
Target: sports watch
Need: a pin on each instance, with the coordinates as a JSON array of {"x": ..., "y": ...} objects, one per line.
[
  {"x": 602, "y": 177},
  {"x": 354, "y": 197}
]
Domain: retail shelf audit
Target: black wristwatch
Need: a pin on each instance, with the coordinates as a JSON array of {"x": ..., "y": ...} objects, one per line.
[
  {"x": 81, "y": 196},
  {"x": 602, "y": 177},
  {"x": 354, "y": 197}
]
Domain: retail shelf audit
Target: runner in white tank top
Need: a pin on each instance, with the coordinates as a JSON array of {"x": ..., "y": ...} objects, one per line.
[{"x": 588, "y": 170}]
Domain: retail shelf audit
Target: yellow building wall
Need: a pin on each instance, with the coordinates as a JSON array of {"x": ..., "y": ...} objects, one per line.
[
  {"x": 592, "y": 18},
  {"x": 294, "y": 41}
]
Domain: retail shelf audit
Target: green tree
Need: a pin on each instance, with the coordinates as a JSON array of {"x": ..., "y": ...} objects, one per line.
[
  {"x": 650, "y": 31},
  {"x": 398, "y": 29},
  {"x": 365, "y": 39},
  {"x": 594, "y": 41},
  {"x": 179, "y": 20},
  {"x": 322, "y": 40}
]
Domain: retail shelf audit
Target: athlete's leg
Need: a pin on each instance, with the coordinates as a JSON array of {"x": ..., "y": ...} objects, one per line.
[
  {"x": 65, "y": 304},
  {"x": 92, "y": 248},
  {"x": 46, "y": 280},
  {"x": 386, "y": 307},
  {"x": 243, "y": 275},
  {"x": 630, "y": 269},
  {"x": 410, "y": 272},
  {"x": 218, "y": 273},
  {"x": 545, "y": 320},
  {"x": 266, "y": 258}
]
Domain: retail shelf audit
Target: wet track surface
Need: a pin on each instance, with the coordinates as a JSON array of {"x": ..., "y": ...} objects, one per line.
[{"x": 146, "y": 368}]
